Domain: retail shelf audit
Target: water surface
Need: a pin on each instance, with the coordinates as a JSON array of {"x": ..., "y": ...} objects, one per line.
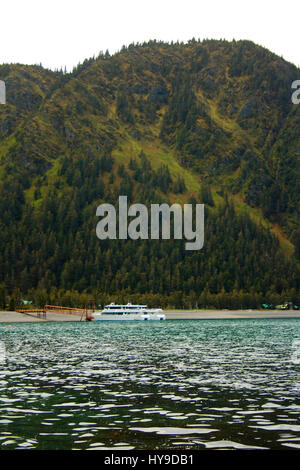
[{"x": 186, "y": 384}]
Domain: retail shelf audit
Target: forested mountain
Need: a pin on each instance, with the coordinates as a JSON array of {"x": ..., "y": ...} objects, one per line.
[{"x": 209, "y": 122}]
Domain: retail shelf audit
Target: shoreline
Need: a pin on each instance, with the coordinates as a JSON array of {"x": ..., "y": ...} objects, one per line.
[
  {"x": 15, "y": 317},
  {"x": 229, "y": 314}
]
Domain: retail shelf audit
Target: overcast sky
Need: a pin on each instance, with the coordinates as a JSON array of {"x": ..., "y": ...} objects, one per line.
[{"x": 64, "y": 32}]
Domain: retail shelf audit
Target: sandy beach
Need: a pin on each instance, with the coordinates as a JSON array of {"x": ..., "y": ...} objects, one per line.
[
  {"x": 223, "y": 314},
  {"x": 15, "y": 317}
]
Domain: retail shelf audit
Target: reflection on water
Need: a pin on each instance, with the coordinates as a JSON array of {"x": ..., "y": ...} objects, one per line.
[{"x": 175, "y": 384}]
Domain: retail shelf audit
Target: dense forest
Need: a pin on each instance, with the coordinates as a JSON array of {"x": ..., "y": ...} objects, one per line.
[{"x": 204, "y": 122}]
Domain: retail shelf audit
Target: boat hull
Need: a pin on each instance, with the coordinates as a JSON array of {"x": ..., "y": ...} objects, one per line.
[{"x": 129, "y": 317}]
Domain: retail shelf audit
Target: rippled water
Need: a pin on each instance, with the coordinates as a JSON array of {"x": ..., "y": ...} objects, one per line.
[{"x": 175, "y": 384}]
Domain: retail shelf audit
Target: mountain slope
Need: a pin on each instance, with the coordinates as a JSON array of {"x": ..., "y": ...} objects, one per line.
[{"x": 205, "y": 121}]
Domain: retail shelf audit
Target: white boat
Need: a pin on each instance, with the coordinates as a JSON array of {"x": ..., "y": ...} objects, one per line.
[{"x": 129, "y": 312}]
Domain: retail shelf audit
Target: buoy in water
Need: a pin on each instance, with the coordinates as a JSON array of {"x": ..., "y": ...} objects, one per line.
[{"x": 9, "y": 326}]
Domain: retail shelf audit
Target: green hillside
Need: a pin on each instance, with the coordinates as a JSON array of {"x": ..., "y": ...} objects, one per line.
[{"x": 209, "y": 122}]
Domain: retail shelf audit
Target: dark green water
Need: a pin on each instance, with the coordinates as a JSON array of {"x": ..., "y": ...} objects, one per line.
[{"x": 175, "y": 384}]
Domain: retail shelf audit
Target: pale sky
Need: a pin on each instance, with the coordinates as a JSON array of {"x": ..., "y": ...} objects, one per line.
[{"x": 64, "y": 32}]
